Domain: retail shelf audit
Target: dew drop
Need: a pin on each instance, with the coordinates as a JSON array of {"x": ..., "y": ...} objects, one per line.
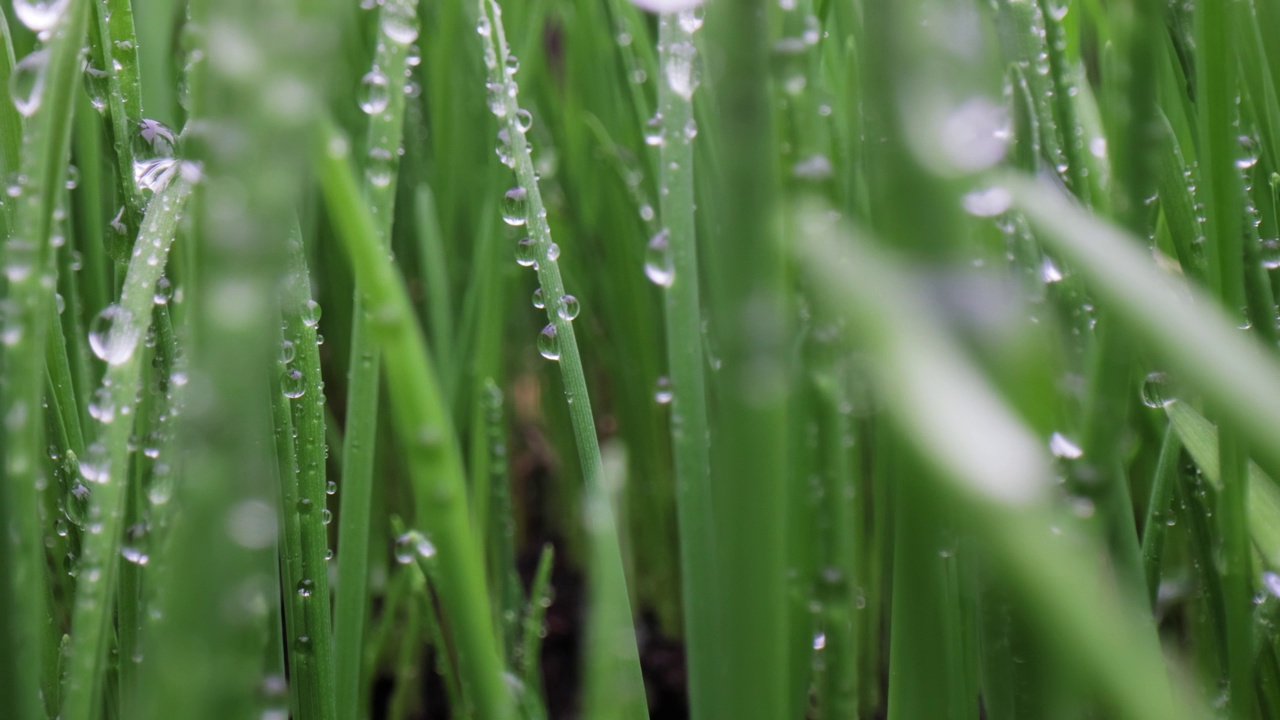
[
  {"x": 663, "y": 394},
  {"x": 1049, "y": 272},
  {"x": 553, "y": 252},
  {"x": 653, "y": 131},
  {"x": 331, "y": 487},
  {"x": 483, "y": 27},
  {"x": 375, "y": 92},
  {"x": 690, "y": 19},
  {"x": 526, "y": 251},
  {"x": 326, "y": 516},
  {"x": 1157, "y": 390},
  {"x": 524, "y": 120},
  {"x": 293, "y": 384},
  {"x": 112, "y": 335},
  {"x": 399, "y": 23},
  {"x": 134, "y": 555},
  {"x": 39, "y": 15},
  {"x": 411, "y": 545},
  {"x": 379, "y": 171},
  {"x": 537, "y": 299},
  {"x": 311, "y": 314},
  {"x": 287, "y": 352},
  {"x": 549, "y": 343},
  {"x": 511, "y": 65},
  {"x": 1061, "y": 447},
  {"x": 658, "y": 265},
  {"x": 513, "y": 206},
  {"x": 163, "y": 292},
  {"x": 305, "y": 587},
  {"x": 154, "y": 164},
  {"x": 26, "y": 84},
  {"x": 682, "y": 76},
  {"x": 569, "y": 308}
]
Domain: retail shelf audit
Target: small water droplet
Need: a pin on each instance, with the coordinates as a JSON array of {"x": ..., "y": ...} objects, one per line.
[
  {"x": 553, "y": 252},
  {"x": 331, "y": 487},
  {"x": 26, "y": 83},
  {"x": 375, "y": 92},
  {"x": 134, "y": 555},
  {"x": 287, "y": 352},
  {"x": 690, "y": 19},
  {"x": 39, "y": 15},
  {"x": 1157, "y": 390},
  {"x": 653, "y": 135},
  {"x": 549, "y": 343},
  {"x": 411, "y": 545},
  {"x": 569, "y": 308},
  {"x": 682, "y": 76},
  {"x": 326, "y": 516},
  {"x": 293, "y": 384},
  {"x": 483, "y": 26},
  {"x": 311, "y": 314},
  {"x": 537, "y": 299},
  {"x": 526, "y": 252},
  {"x": 380, "y": 168},
  {"x": 1049, "y": 272},
  {"x": 663, "y": 394},
  {"x": 513, "y": 206},
  {"x": 987, "y": 203},
  {"x": 1271, "y": 582},
  {"x": 658, "y": 265},
  {"x": 524, "y": 120},
  {"x": 1061, "y": 447},
  {"x": 112, "y": 335}
]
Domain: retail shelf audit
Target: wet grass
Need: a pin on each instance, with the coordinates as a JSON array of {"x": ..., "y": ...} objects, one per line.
[{"x": 858, "y": 359}]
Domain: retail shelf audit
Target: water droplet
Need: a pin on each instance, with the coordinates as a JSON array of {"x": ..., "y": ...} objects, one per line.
[
  {"x": 302, "y": 644},
  {"x": 380, "y": 167},
  {"x": 413, "y": 544},
  {"x": 39, "y": 15},
  {"x": 511, "y": 65},
  {"x": 690, "y": 19},
  {"x": 1157, "y": 390},
  {"x": 134, "y": 555},
  {"x": 682, "y": 76},
  {"x": 326, "y": 516},
  {"x": 569, "y": 308},
  {"x": 537, "y": 299},
  {"x": 658, "y": 265},
  {"x": 311, "y": 314},
  {"x": 553, "y": 252},
  {"x": 375, "y": 92},
  {"x": 154, "y": 164},
  {"x": 526, "y": 251},
  {"x": 304, "y": 506},
  {"x": 549, "y": 343},
  {"x": 293, "y": 384},
  {"x": 663, "y": 394},
  {"x": 513, "y": 206},
  {"x": 987, "y": 203},
  {"x": 653, "y": 136},
  {"x": 1061, "y": 447},
  {"x": 813, "y": 168},
  {"x": 331, "y": 487},
  {"x": 819, "y": 641},
  {"x": 505, "y": 154},
  {"x": 524, "y": 120},
  {"x": 26, "y": 84},
  {"x": 112, "y": 335},
  {"x": 1049, "y": 272},
  {"x": 287, "y": 352},
  {"x": 483, "y": 27},
  {"x": 1271, "y": 582},
  {"x": 399, "y": 23}
]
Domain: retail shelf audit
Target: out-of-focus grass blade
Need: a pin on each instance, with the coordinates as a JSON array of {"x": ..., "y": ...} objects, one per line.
[
  {"x": 1201, "y": 440},
  {"x": 990, "y": 468},
  {"x": 1180, "y": 325}
]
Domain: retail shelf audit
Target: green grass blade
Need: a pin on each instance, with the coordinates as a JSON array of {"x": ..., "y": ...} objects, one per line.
[
  {"x": 106, "y": 466},
  {"x": 423, "y": 425},
  {"x": 557, "y": 340}
]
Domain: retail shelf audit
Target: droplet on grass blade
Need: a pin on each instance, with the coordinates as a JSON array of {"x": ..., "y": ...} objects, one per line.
[
  {"x": 1157, "y": 390},
  {"x": 112, "y": 335},
  {"x": 26, "y": 84},
  {"x": 569, "y": 308},
  {"x": 549, "y": 343},
  {"x": 39, "y": 15},
  {"x": 658, "y": 265},
  {"x": 1061, "y": 447},
  {"x": 411, "y": 545},
  {"x": 526, "y": 251},
  {"x": 375, "y": 92},
  {"x": 663, "y": 394},
  {"x": 666, "y": 6},
  {"x": 513, "y": 206},
  {"x": 399, "y": 22},
  {"x": 293, "y": 384}
]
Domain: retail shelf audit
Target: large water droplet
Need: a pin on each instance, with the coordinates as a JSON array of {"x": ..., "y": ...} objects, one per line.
[
  {"x": 682, "y": 76},
  {"x": 569, "y": 308},
  {"x": 524, "y": 120},
  {"x": 305, "y": 587},
  {"x": 526, "y": 252},
  {"x": 1157, "y": 390},
  {"x": 375, "y": 92},
  {"x": 399, "y": 23},
  {"x": 154, "y": 164},
  {"x": 26, "y": 84},
  {"x": 39, "y": 15},
  {"x": 513, "y": 206},
  {"x": 549, "y": 343},
  {"x": 311, "y": 314},
  {"x": 112, "y": 335},
  {"x": 293, "y": 384},
  {"x": 658, "y": 265}
]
